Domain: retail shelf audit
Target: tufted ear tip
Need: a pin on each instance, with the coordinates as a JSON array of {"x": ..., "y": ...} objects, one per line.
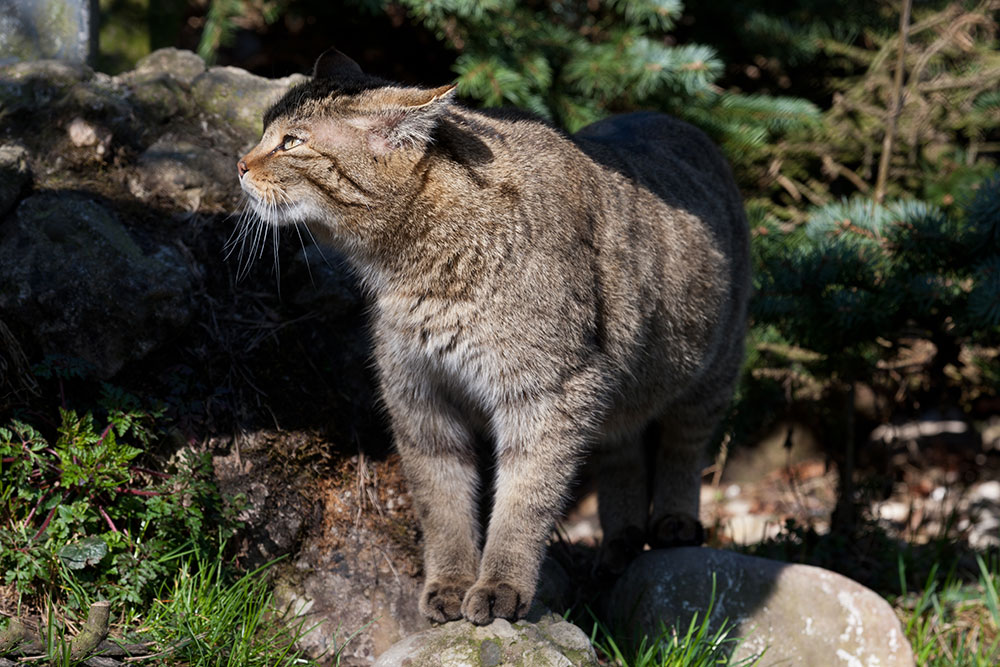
[
  {"x": 333, "y": 64},
  {"x": 408, "y": 117},
  {"x": 444, "y": 92}
]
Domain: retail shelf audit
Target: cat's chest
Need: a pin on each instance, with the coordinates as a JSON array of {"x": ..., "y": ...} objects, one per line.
[{"x": 446, "y": 341}]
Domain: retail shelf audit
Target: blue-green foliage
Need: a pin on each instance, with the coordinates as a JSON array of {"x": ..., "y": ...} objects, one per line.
[
  {"x": 857, "y": 270},
  {"x": 574, "y": 62},
  {"x": 836, "y": 295}
]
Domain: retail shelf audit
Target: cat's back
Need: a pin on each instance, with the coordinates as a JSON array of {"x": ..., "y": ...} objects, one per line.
[
  {"x": 644, "y": 153},
  {"x": 674, "y": 160}
]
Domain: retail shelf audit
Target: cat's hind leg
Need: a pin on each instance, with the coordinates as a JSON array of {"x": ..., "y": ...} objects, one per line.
[
  {"x": 622, "y": 468},
  {"x": 685, "y": 433}
]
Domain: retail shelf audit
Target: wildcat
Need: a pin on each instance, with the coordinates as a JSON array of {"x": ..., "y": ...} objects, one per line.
[{"x": 562, "y": 295}]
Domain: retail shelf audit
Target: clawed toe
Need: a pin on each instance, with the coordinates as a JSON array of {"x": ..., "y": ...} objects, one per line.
[
  {"x": 442, "y": 601},
  {"x": 484, "y": 602},
  {"x": 676, "y": 530}
]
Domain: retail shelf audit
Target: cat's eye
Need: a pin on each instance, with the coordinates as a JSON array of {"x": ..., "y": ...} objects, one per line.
[{"x": 290, "y": 142}]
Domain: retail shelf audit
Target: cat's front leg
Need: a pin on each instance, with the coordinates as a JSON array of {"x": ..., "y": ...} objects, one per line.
[
  {"x": 539, "y": 444},
  {"x": 438, "y": 456}
]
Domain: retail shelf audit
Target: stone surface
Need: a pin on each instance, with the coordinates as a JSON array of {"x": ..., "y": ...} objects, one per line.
[
  {"x": 181, "y": 168},
  {"x": 92, "y": 265},
  {"x": 14, "y": 175},
  {"x": 238, "y": 97},
  {"x": 795, "y": 614},
  {"x": 160, "y": 84},
  {"x": 33, "y": 86},
  {"x": 179, "y": 64},
  {"x": 37, "y": 29},
  {"x": 73, "y": 276},
  {"x": 355, "y": 565},
  {"x": 541, "y": 640}
]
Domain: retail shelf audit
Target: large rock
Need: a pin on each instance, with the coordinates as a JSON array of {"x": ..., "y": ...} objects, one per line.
[
  {"x": 74, "y": 279},
  {"x": 355, "y": 566},
  {"x": 153, "y": 148},
  {"x": 801, "y": 615},
  {"x": 179, "y": 64},
  {"x": 14, "y": 175},
  {"x": 238, "y": 97},
  {"x": 541, "y": 640},
  {"x": 34, "y": 29}
]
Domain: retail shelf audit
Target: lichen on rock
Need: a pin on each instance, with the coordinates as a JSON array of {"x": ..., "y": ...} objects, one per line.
[{"x": 543, "y": 639}]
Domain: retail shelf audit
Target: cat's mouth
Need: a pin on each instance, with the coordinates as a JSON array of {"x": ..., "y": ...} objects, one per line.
[
  {"x": 267, "y": 209},
  {"x": 279, "y": 209}
]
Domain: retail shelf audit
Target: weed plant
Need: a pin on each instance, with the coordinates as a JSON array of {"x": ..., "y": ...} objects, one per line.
[
  {"x": 79, "y": 511},
  {"x": 84, "y": 516}
]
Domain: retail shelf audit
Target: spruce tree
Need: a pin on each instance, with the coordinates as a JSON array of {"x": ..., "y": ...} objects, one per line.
[
  {"x": 574, "y": 62},
  {"x": 841, "y": 295}
]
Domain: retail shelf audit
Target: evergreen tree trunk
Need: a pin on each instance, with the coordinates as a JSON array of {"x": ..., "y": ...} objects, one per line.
[{"x": 844, "y": 517}]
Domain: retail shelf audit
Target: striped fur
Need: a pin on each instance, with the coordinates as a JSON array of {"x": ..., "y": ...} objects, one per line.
[{"x": 561, "y": 296}]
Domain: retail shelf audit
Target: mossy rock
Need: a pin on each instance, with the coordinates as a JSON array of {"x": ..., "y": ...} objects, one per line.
[
  {"x": 238, "y": 97},
  {"x": 542, "y": 640}
]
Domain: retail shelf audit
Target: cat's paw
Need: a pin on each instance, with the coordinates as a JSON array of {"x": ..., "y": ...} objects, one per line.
[
  {"x": 441, "y": 601},
  {"x": 676, "y": 530},
  {"x": 620, "y": 550},
  {"x": 484, "y": 602}
]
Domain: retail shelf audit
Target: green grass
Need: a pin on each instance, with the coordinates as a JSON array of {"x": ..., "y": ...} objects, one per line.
[
  {"x": 205, "y": 617},
  {"x": 952, "y": 622},
  {"x": 205, "y": 620},
  {"x": 695, "y": 646}
]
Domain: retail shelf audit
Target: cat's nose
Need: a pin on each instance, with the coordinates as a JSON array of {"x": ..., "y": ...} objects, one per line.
[{"x": 242, "y": 168}]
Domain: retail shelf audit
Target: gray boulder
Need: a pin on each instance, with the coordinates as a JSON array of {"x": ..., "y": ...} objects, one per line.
[
  {"x": 73, "y": 280},
  {"x": 794, "y": 614},
  {"x": 14, "y": 175},
  {"x": 542, "y": 640},
  {"x": 32, "y": 29},
  {"x": 238, "y": 97}
]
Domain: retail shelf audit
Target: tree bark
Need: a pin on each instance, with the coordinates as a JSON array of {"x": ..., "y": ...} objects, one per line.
[{"x": 93, "y": 632}]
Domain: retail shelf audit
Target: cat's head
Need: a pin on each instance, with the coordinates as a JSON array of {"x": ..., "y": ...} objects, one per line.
[{"x": 337, "y": 145}]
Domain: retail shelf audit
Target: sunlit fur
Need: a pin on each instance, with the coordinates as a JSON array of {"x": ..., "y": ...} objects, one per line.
[{"x": 563, "y": 296}]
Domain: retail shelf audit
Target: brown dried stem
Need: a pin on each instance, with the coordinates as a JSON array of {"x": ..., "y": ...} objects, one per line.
[{"x": 897, "y": 105}]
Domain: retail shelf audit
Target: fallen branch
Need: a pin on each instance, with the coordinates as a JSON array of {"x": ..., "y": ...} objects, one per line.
[
  {"x": 94, "y": 631},
  {"x": 896, "y": 108}
]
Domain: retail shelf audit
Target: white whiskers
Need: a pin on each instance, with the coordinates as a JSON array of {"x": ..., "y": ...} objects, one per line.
[{"x": 260, "y": 218}]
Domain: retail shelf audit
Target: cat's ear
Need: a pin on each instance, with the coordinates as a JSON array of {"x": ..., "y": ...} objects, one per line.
[
  {"x": 407, "y": 117},
  {"x": 333, "y": 64}
]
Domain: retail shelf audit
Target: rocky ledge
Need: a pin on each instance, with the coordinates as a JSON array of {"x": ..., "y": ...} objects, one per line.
[{"x": 116, "y": 197}]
